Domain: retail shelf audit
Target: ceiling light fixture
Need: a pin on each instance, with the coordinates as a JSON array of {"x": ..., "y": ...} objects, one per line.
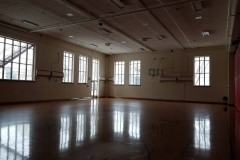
[
  {"x": 199, "y": 17},
  {"x": 29, "y": 23},
  {"x": 197, "y": 6},
  {"x": 118, "y": 3},
  {"x": 159, "y": 37},
  {"x": 104, "y": 31},
  {"x": 69, "y": 14},
  {"x": 70, "y": 36},
  {"x": 145, "y": 39},
  {"x": 93, "y": 45},
  {"x": 123, "y": 42},
  {"x": 205, "y": 33},
  {"x": 145, "y": 24},
  {"x": 107, "y": 44}
]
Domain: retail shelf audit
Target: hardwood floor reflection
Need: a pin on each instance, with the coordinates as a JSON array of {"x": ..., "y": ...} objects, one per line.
[{"x": 114, "y": 129}]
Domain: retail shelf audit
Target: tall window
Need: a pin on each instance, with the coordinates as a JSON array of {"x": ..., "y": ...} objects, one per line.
[
  {"x": 119, "y": 73},
  {"x": 82, "y": 69},
  {"x": 16, "y": 59},
  {"x": 68, "y": 67},
  {"x": 135, "y": 72},
  {"x": 202, "y": 71}
]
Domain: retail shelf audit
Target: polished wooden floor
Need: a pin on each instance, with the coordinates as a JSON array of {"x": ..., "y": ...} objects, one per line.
[{"x": 114, "y": 129}]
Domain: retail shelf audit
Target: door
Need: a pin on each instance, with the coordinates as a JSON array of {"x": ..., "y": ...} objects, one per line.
[{"x": 95, "y": 78}]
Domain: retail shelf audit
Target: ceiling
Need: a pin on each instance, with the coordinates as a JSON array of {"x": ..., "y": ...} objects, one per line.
[{"x": 174, "y": 20}]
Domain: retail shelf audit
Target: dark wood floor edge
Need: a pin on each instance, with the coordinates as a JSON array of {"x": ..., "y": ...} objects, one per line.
[
  {"x": 42, "y": 101},
  {"x": 167, "y": 100}
]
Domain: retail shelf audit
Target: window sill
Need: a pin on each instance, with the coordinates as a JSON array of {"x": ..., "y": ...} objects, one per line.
[
  {"x": 82, "y": 83},
  {"x": 8, "y": 80},
  {"x": 201, "y": 86},
  {"x": 67, "y": 82},
  {"x": 134, "y": 85},
  {"x": 119, "y": 84}
]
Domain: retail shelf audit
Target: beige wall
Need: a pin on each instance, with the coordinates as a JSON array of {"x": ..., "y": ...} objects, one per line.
[
  {"x": 151, "y": 88},
  {"x": 48, "y": 47},
  {"x": 42, "y": 88}
]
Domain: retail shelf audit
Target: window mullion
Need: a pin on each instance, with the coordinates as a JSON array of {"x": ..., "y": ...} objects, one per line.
[
  {"x": 199, "y": 72},
  {"x": 11, "y": 63},
  {"x": 134, "y": 73},
  {"x": 204, "y": 70},
  {"x": 19, "y": 60},
  {"x": 26, "y": 62},
  {"x": 65, "y": 66},
  {"x": 119, "y": 73},
  {"x": 4, "y": 49},
  {"x": 68, "y": 67},
  {"x": 80, "y": 69}
]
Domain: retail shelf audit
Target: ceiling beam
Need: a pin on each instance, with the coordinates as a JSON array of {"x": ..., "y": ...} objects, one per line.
[
  {"x": 14, "y": 27},
  {"x": 232, "y": 8},
  {"x": 176, "y": 24},
  {"x": 150, "y": 12},
  {"x": 112, "y": 16},
  {"x": 52, "y": 15},
  {"x": 109, "y": 26}
]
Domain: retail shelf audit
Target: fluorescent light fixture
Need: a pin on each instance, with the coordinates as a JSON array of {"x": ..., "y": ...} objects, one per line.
[
  {"x": 145, "y": 24},
  {"x": 123, "y": 42},
  {"x": 159, "y": 37},
  {"x": 205, "y": 33},
  {"x": 145, "y": 39},
  {"x": 107, "y": 44},
  {"x": 197, "y": 6},
  {"x": 29, "y": 23},
  {"x": 104, "y": 31},
  {"x": 93, "y": 45},
  {"x": 198, "y": 17},
  {"x": 70, "y": 36},
  {"x": 118, "y": 3},
  {"x": 69, "y": 14}
]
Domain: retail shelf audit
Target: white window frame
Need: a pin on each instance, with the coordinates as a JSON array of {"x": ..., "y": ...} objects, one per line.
[
  {"x": 81, "y": 70},
  {"x": 28, "y": 62},
  {"x": 194, "y": 61},
  {"x": 64, "y": 68},
  {"x": 134, "y": 74},
  {"x": 122, "y": 74}
]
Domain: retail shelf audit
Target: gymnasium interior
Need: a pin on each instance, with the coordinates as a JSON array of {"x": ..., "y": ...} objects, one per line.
[{"x": 119, "y": 79}]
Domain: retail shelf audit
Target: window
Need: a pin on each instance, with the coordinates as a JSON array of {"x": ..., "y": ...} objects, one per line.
[
  {"x": 82, "y": 69},
  {"x": 68, "y": 67},
  {"x": 16, "y": 59},
  {"x": 119, "y": 73},
  {"x": 202, "y": 71},
  {"x": 135, "y": 72}
]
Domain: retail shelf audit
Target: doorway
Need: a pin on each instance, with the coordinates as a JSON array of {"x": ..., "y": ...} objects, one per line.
[{"x": 95, "y": 78}]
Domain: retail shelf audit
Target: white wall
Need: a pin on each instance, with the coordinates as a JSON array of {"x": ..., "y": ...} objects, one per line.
[
  {"x": 152, "y": 89},
  {"x": 42, "y": 88}
]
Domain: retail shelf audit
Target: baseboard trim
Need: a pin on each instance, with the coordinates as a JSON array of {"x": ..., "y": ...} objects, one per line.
[
  {"x": 167, "y": 100},
  {"x": 43, "y": 101}
]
